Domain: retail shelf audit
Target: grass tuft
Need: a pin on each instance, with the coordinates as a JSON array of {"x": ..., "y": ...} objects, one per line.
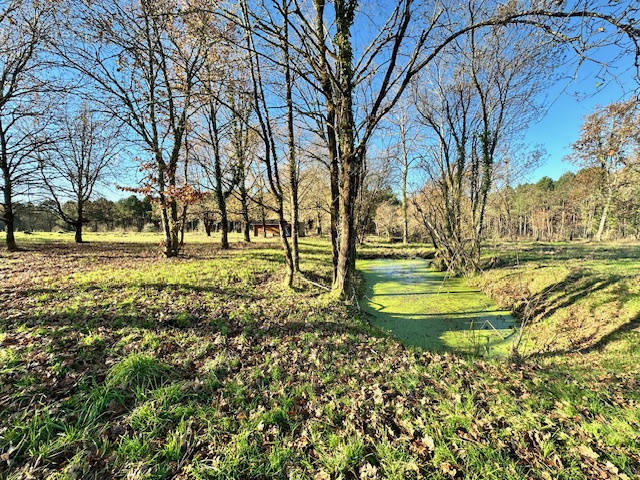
[{"x": 135, "y": 372}]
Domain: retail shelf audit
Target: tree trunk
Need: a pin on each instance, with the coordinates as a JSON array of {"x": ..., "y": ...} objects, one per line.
[
  {"x": 10, "y": 236},
  {"x": 405, "y": 215},
  {"x": 183, "y": 223},
  {"x": 343, "y": 285},
  {"x": 247, "y": 231},
  {"x": 78, "y": 235},
  {"x": 245, "y": 214},
  {"x": 9, "y": 218},
  {"x": 8, "y": 215},
  {"x": 166, "y": 225},
  {"x": 605, "y": 213},
  {"x": 334, "y": 210},
  {"x": 293, "y": 168},
  {"x": 405, "y": 174},
  {"x": 224, "y": 224},
  {"x": 319, "y": 225},
  {"x": 220, "y": 198},
  {"x": 334, "y": 169},
  {"x": 287, "y": 249},
  {"x": 79, "y": 221},
  {"x": 175, "y": 220},
  {"x": 295, "y": 232}
]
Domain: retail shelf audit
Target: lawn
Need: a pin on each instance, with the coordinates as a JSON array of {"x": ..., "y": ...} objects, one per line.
[{"x": 118, "y": 363}]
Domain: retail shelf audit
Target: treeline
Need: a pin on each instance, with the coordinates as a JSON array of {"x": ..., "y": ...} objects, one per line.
[
  {"x": 129, "y": 213},
  {"x": 571, "y": 207}
]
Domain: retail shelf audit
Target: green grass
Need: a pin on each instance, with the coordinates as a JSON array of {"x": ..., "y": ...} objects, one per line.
[
  {"x": 118, "y": 363},
  {"x": 576, "y": 297},
  {"x": 136, "y": 372}
]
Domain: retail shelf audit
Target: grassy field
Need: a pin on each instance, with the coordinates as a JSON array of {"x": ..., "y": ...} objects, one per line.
[{"x": 118, "y": 363}]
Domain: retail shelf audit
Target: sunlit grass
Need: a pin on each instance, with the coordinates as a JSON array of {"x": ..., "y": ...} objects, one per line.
[{"x": 118, "y": 363}]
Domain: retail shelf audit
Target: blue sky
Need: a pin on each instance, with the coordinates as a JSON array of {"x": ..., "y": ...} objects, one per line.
[{"x": 569, "y": 103}]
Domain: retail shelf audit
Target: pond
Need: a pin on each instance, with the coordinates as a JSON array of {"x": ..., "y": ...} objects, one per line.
[{"x": 424, "y": 308}]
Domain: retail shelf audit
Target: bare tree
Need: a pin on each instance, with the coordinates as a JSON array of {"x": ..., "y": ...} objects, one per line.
[
  {"x": 270, "y": 23},
  {"x": 266, "y": 131},
  {"x": 24, "y": 89},
  {"x": 403, "y": 123},
  {"x": 243, "y": 139},
  {"x": 74, "y": 165},
  {"x": 143, "y": 59},
  {"x": 222, "y": 176},
  {"x": 473, "y": 100}
]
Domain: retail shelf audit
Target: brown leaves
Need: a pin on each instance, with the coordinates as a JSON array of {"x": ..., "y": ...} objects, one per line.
[
  {"x": 260, "y": 365},
  {"x": 587, "y": 452},
  {"x": 608, "y": 135}
]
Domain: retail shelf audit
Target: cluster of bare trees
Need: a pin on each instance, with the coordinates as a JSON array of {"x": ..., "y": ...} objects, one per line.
[
  {"x": 471, "y": 110},
  {"x": 249, "y": 100},
  {"x": 599, "y": 200}
]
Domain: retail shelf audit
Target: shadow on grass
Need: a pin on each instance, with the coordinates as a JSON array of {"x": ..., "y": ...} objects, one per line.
[
  {"x": 238, "y": 292},
  {"x": 599, "y": 344},
  {"x": 576, "y": 285},
  {"x": 583, "y": 299},
  {"x": 614, "y": 335}
]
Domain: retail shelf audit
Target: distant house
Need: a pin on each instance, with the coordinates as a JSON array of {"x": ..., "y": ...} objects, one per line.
[{"x": 271, "y": 228}]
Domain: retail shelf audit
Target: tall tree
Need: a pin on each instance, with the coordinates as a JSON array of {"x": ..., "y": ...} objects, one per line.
[
  {"x": 221, "y": 175},
  {"x": 608, "y": 139},
  {"x": 242, "y": 139},
  {"x": 291, "y": 143},
  {"x": 72, "y": 168},
  {"x": 143, "y": 59},
  {"x": 403, "y": 124},
  {"x": 266, "y": 132},
  {"x": 24, "y": 88}
]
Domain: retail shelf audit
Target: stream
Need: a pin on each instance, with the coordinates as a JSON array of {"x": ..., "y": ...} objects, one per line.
[{"x": 424, "y": 308}]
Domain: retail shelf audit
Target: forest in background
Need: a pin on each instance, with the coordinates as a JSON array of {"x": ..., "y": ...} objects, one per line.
[{"x": 569, "y": 208}]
